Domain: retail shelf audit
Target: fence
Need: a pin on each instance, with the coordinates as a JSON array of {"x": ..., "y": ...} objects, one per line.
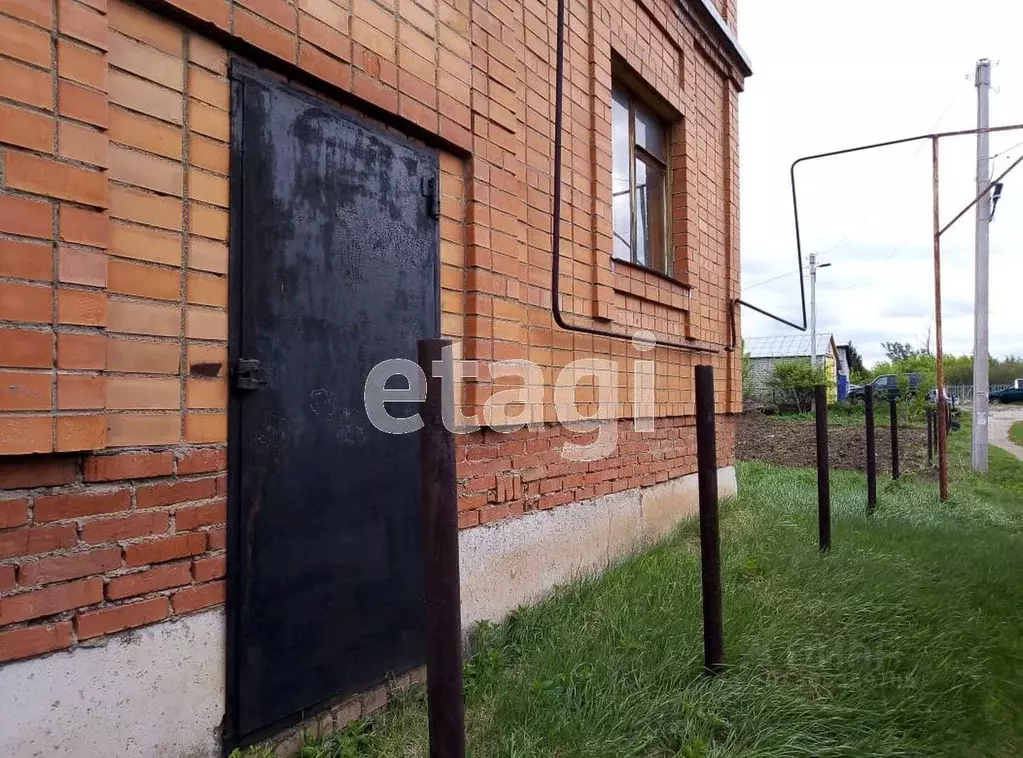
[{"x": 963, "y": 393}]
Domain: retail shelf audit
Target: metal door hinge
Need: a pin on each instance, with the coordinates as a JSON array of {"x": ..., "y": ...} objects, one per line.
[
  {"x": 432, "y": 196},
  {"x": 246, "y": 375}
]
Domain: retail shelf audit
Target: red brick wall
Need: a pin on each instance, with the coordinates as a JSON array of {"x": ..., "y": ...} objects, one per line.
[{"x": 113, "y": 264}]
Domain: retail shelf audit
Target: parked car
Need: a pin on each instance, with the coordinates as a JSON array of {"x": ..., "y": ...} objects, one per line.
[
  {"x": 885, "y": 387},
  {"x": 1013, "y": 394}
]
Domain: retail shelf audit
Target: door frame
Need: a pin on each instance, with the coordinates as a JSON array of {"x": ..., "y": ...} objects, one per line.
[{"x": 240, "y": 71}]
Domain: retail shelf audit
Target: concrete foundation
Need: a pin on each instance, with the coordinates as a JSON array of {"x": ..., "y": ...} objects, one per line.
[{"x": 159, "y": 691}]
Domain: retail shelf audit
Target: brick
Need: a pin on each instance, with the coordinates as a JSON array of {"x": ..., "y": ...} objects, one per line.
[
  {"x": 37, "y": 539},
  {"x": 218, "y": 538},
  {"x": 142, "y": 96},
  {"x": 37, "y": 471},
  {"x": 134, "y": 430},
  {"x": 82, "y": 104},
  {"x": 209, "y": 154},
  {"x": 34, "y": 640},
  {"x": 25, "y": 391},
  {"x": 132, "y": 393},
  {"x": 26, "y": 85},
  {"x": 26, "y": 260},
  {"x": 99, "y": 531},
  {"x": 206, "y": 427},
  {"x": 84, "y": 227},
  {"x": 82, "y": 23},
  {"x": 146, "y": 62},
  {"x": 201, "y": 515},
  {"x": 209, "y": 121},
  {"x": 25, "y": 434},
  {"x": 61, "y": 568},
  {"x": 200, "y": 354},
  {"x": 81, "y": 433},
  {"x": 165, "y": 549},
  {"x": 43, "y": 176},
  {"x": 144, "y": 318},
  {"x": 25, "y": 43},
  {"x": 152, "y": 580},
  {"x": 26, "y": 217},
  {"x": 81, "y": 64},
  {"x": 145, "y": 208},
  {"x": 280, "y": 12},
  {"x": 79, "y": 392},
  {"x": 207, "y": 256},
  {"x": 81, "y": 503},
  {"x": 51, "y": 600},
  {"x": 81, "y": 307},
  {"x": 21, "y": 348},
  {"x": 107, "y": 468},
  {"x": 204, "y": 324},
  {"x": 264, "y": 35},
  {"x": 32, "y": 11},
  {"x": 6, "y": 579},
  {"x": 210, "y": 222},
  {"x": 203, "y": 289},
  {"x": 327, "y": 67},
  {"x": 143, "y": 357},
  {"x": 215, "y": 11},
  {"x": 145, "y": 244},
  {"x": 84, "y": 144},
  {"x": 198, "y": 597},
  {"x": 120, "y": 617},
  {"x": 169, "y": 493},
  {"x": 13, "y": 512},
  {"x": 146, "y": 134},
  {"x": 141, "y": 280},
  {"x": 25, "y": 128},
  {"x": 134, "y": 22},
  {"x": 206, "y": 393},
  {"x": 202, "y": 461},
  {"x": 146, "y": 171},
  {"x": 205, "y": 569},
  {"x": 208, "y": 54},
  {"x": 82, "y": 267},
  {"x": 208, "y": 88},
  {"x": 81, "y": 351},
  {"x": 209, "y": 188}
]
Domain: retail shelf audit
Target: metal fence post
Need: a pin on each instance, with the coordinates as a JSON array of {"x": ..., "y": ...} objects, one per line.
[
  {"x": 710, "y": 540},
  {"x": 823, "y": 473},
  {"x": 446, "y": 707},
  {"x": 871, "y": 452},
  {"x": 895, "y": 438}
]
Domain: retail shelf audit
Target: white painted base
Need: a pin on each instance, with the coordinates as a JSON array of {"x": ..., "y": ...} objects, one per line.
[
  {"x": 517, "y": 562},
  {"x": 156, "y": 691},
  {"x": 159, "y": 691}
]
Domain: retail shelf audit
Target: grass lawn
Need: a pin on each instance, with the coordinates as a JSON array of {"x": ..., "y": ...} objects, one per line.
[
  {"x": 1016, "y": 432},
  {"x": 906, "y": 640}
]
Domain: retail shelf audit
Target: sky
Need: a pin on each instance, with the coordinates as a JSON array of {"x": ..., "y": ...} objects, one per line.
[{"x": 831, "y": 74}]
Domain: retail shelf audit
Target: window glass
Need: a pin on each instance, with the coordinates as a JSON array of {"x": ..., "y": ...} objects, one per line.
[
  {"x": 650, "y": 133},
  {"x": 650, "y": 218},
  {"x": 620, "y": 180}
]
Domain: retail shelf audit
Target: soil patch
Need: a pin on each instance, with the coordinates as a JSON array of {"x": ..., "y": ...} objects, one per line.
[{"x": 793, "y": 443}]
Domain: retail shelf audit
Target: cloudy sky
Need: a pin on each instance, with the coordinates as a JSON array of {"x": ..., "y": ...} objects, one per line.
[{"x": 830, "y": 74}]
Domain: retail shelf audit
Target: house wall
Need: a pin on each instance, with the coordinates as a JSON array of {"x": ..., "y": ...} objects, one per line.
[{"x": 113, "y": 283}]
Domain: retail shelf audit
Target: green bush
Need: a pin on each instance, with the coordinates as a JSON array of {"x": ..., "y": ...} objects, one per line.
[{"x": 792, "y": 382}]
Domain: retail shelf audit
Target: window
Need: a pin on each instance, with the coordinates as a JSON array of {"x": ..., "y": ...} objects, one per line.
[{"x": 639, "y": 155}]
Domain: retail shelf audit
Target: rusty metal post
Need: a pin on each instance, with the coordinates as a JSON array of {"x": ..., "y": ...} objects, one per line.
[
  {"x": 445, "y": 701},
  {"x": 823, "y": 473},
  {"x": 895, "y": 438},
  {"x": 710, "y": 539},
  {"x": 930, "y": 437},
  {"x": 938, "y": 345},
  {"x": 868, "y": 401}
]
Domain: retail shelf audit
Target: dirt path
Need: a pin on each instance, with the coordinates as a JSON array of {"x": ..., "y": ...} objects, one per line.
[
  {"x": 785, "y": 442},
  {"x": 1002, "y": 417}
]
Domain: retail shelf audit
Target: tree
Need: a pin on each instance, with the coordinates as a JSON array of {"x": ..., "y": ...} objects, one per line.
[
  {"x": 855, "y": 360},
  {"x": 792, "y": 383},
  {"x": 898, "y": 351},
  {"x": 747, "y": 375}
]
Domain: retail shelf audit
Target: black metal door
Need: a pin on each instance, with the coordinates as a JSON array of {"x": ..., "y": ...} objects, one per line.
[{"x": 334, "y": 269}]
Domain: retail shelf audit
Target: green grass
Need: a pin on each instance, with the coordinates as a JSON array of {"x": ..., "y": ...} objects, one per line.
[
  {"x": 905, "y": 640},
  {"x": 1016, "y": 432}
]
